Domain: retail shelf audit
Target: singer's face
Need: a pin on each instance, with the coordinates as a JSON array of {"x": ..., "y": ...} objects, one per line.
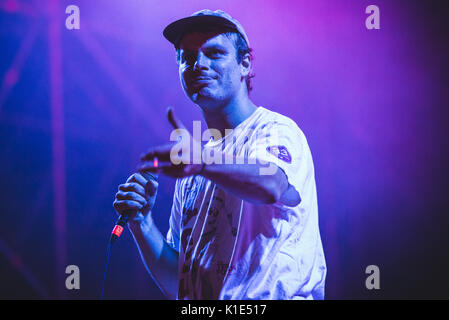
[{"x": 208, "y": 68}]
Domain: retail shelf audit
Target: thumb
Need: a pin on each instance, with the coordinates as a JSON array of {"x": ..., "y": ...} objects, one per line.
[{"x": 173, "y": 119}]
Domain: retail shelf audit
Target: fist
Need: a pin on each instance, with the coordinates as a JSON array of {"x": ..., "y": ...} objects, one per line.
[{"x": 136, "y": 196}]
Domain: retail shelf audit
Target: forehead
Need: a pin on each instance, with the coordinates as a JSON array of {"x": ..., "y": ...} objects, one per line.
[{"x": 196, "y": 40}]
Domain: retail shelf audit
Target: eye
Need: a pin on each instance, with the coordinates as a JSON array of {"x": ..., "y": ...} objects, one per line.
[
  {"x": 215, "y": 53},
  {"x": 188, "y": 56}
]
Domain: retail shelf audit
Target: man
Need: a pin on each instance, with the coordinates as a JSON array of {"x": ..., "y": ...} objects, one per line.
[{"x": 244, "y": 220}]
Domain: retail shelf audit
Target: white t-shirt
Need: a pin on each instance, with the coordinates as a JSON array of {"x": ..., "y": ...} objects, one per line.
[{"x": 230, "y": 248}]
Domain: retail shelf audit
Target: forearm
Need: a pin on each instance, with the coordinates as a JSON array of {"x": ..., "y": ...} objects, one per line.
[
  {"x": 159, "y": 258},
  {"x": 247, "y": 182}
]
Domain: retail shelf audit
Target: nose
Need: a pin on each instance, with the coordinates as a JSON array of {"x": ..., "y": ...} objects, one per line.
[{"x": 201, "y": 62}]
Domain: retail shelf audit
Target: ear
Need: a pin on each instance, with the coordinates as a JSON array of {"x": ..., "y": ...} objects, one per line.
[{"x": 245, "y": 65}]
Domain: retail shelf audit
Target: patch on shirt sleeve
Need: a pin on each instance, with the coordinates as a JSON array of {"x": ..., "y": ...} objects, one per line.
[{"x": 281, "y": 152}]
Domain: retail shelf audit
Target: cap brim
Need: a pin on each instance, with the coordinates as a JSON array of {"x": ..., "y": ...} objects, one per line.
[{"x": 175, "y": 30}]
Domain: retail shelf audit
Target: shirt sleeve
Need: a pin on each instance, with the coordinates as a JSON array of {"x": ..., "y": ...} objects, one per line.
[
  {"x": 282, "y": 144},
  {"x": 175, "y": 218}
]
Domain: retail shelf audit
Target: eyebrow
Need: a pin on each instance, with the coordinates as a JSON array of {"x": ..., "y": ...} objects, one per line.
[
  {"x": 208, "y": 47},
  {"x": 216, "y": 47}
]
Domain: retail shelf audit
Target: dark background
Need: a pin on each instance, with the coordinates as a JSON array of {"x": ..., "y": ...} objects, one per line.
[{"x": 77, "y": 107}]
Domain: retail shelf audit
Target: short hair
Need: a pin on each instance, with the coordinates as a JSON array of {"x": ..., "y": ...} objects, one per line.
[{"x": 241, "y": 49}]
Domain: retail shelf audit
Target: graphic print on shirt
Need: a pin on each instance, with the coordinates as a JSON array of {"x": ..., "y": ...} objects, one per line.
[
  {"x": 188, "y": 212},
  {"x": 199, "y": 236},
  {"x": 280, "y": 152}
]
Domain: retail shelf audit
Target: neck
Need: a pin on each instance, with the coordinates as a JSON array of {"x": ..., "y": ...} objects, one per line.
[{"x": 229, "y": 115}]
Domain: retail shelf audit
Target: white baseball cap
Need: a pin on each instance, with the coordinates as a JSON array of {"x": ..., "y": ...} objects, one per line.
[{"x": 203, "y": 18}]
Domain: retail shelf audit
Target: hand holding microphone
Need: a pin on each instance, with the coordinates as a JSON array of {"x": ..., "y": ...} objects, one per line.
[{"x": 134, "y": 200}]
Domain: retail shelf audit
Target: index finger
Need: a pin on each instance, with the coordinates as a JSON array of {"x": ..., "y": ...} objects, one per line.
[{"x": 173, "y": 119}]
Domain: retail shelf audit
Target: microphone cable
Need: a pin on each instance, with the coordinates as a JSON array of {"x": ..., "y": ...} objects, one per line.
[{"x": 118, "y": 229}]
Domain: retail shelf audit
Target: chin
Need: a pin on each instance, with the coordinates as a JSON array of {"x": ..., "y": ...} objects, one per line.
[{"x": 204, "y": 95}]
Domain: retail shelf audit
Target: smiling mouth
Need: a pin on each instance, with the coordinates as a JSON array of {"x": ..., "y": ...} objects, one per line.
[
  {"x": 202, "y": 79},
  {"x": 200, "y": 82}
]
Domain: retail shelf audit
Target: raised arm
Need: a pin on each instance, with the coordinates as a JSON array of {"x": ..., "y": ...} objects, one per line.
[{"x": 242, "y": 178}]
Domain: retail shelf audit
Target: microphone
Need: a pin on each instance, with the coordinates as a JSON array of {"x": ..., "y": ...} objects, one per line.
[
  {"x": 120, "y": 225},
  {"x": 124, "y": 217}
]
